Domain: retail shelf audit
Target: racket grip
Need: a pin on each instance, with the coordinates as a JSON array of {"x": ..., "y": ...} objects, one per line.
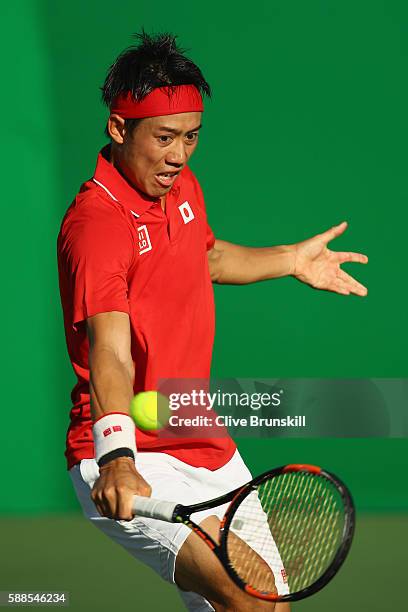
[{"x": 153, "y": 508}]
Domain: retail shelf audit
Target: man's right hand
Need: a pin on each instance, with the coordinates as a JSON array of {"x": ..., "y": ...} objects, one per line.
[{"x": 113, "y": 491}]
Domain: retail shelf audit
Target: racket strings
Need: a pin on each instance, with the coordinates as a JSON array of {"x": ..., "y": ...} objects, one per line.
[
  {"x": 286, "y": 533},
  {"x": 246, "y": 560}
]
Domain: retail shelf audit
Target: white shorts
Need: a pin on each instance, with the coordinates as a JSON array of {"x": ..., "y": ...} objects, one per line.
[{"x": 156, "y": 543}]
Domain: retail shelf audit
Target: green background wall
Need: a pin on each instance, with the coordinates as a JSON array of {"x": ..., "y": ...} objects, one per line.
[{"x": 308, "y": 126}]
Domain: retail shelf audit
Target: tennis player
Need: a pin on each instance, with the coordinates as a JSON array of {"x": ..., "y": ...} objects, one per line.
[{"x": 137, "y": 259}]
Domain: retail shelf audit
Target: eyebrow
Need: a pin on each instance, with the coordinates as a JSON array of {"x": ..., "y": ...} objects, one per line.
[{"x": 177, "y": 132}]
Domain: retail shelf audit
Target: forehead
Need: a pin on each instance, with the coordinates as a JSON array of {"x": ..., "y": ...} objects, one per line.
[{"x": 182, "y": 122}]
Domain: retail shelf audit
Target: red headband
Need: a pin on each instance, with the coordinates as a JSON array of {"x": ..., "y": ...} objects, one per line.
[{"x": 160, "y": 101}]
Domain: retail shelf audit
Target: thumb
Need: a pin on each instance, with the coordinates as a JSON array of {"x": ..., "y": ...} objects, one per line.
[{"x": 334, "y": 231}]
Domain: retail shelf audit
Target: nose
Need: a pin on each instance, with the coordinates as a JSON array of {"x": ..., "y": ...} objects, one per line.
[{"x": 177, "y": 153}]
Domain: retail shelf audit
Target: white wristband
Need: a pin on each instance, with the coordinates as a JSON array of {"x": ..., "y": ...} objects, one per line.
[{"x": 113, "y": 430}]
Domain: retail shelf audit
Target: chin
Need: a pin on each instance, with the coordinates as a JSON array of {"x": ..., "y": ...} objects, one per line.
[
  {"x": 152, "y": 191},
  {"x": 157, "y": 192}
]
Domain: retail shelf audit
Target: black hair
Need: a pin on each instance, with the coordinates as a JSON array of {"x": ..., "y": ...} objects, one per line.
[{"x": 155, "y": 61}]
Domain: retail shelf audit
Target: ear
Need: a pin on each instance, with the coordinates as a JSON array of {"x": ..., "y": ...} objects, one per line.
[{"x": 116, "y": 128}]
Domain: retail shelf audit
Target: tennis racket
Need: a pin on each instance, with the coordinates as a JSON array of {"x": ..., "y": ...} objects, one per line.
[{"x": 284, "y": 535}]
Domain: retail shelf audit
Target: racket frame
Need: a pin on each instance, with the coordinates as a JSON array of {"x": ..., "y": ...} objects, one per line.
[{"x": 182, "y": 514}]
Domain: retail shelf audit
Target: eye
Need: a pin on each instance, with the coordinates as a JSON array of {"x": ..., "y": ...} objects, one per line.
[
  {"x": 191, "y": 136},
  {"x": 164, "y": 139}
]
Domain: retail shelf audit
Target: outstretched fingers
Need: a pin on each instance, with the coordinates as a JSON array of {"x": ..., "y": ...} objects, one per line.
[
  {"x": 343, "y": 257},
  {"x": 351, "y": 284},
  {"x": 339, "y": 286}
]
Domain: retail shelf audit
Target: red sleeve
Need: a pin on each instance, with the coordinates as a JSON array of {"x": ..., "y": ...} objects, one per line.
[
  {"x": 210, "y": 238},
  {"x": 95, "y": 251}
]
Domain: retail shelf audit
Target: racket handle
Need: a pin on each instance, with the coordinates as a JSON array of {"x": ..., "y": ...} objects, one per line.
[{"x": 153, "y": 508}]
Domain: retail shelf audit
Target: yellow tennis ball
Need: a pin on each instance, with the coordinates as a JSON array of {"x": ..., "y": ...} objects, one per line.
[{"x": 150, "y": 410}]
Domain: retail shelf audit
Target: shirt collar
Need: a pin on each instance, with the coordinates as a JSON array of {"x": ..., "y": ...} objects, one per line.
[{"x": 117, "y": 187}]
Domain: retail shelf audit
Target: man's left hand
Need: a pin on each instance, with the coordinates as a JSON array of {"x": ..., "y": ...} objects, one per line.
[{"x": 319, "y": 267}]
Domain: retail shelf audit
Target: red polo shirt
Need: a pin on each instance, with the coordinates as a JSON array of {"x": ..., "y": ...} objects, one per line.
[{"x": 118, "y": 250}]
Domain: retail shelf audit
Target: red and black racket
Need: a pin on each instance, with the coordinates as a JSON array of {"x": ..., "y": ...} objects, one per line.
[{"x": 284, "y": 535}]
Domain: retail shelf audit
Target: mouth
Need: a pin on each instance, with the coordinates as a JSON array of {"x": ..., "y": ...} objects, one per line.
[{"x": 166, "y": 179}]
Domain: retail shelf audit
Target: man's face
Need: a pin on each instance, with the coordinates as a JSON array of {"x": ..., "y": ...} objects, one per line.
[{"x": 153, "y": 155}]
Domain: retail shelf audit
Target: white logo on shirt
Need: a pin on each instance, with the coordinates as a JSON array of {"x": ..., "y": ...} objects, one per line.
[
  {"x": 144, "y": 240},
  {"x": 186, "y": 212}
]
